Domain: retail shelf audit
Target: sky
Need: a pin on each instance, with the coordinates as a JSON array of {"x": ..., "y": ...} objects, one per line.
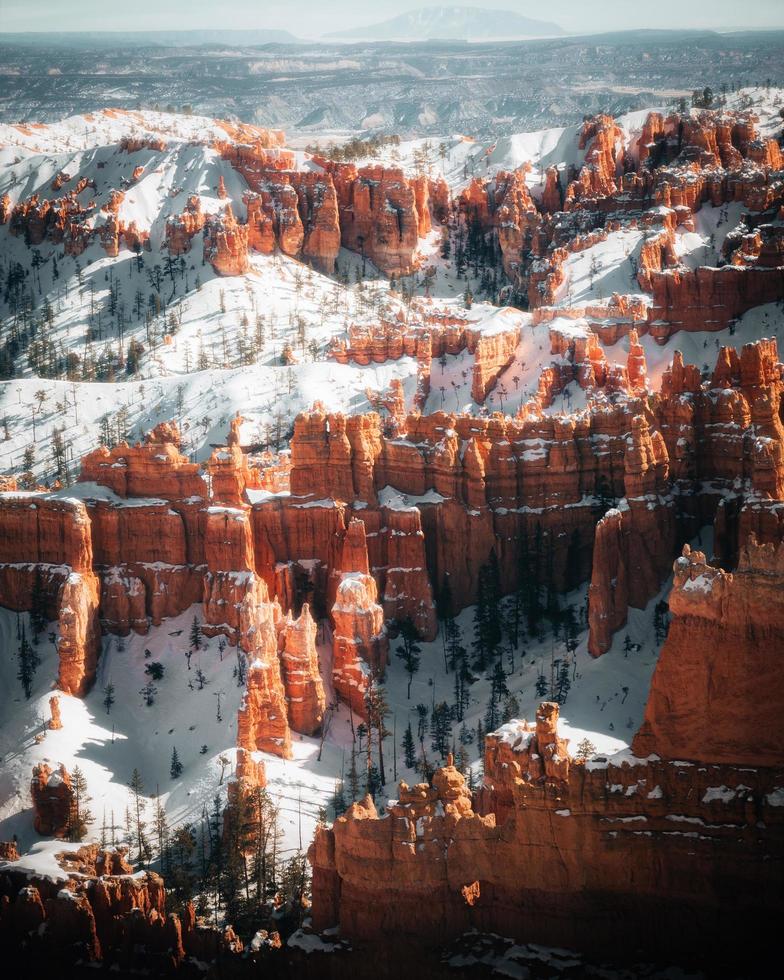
[{"x": 310, "y": 18}]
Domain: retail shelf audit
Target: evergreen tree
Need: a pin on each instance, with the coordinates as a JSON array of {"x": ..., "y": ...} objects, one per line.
[
  {"x": 195, "y": 635},
  {"x": 660, "y": 621},
  {"x": 444, "y": 614},
  {"x": 138, "y": 825},
  {"x": 148, "y": 693},
  {"x": 487, "y": 626},
  {"x": 373, "y": 780},
  {"x": 154, "y": 670},
  {"x": 408, "y": 650},
  {"x": 80, "y": 817},
  {"x": 353, "y": 775},
  {"x": 541, "y": 685},
  {"x": 295, "y": 888},
  {"x": 175, "y": 768},
  {"x": 377, "y": 710},
  {"x": 37, "y": 606},
  {"x": 441, "y": 728},
  {"x": 108, "y": 697},
  {"x": 338, "y": 801},
  {"x": 409, "y": 750},
  {"x": 564, "y": 683},
  {"x": 161, "y": 828},
  {"x": 28, "y": 664},
  {"x": 585, "y": 749},
  {"x": 511, "y": 709}
]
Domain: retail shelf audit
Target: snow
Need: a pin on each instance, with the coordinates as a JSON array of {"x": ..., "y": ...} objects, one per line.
[
  {"x": 396, "y": 500},
  {"x": 40, "y": 862},
  {"x": 310, "y": 943},
  {"x": 776, "y": 798},
  {"x": 595, "y": 273}
]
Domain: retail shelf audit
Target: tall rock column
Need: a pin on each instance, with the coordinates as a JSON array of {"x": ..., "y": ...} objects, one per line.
[
  {"x": 360, "y": 647},
  {"x": 262, "y": 721},
  {"x": 80, "y": 635},
  {"x": 299, "y": 661}
]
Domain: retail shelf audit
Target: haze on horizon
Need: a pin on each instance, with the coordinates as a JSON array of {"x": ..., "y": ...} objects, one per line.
[{"x": 313, "y": 18}]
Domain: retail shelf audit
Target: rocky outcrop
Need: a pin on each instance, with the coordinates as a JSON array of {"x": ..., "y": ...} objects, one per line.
[
  {"x": 552, "y": 195},
  {"x": 503, "y": 205},
  {"x": 226, "y": 244},
  {"x": 79, "y": 642},
  {"x": 360, "y": 647},
  {"x": 262, "y": 721},
  {"x": 708, "y": 298},
  {"x": 556, "y": 847},
  {"x": 96, "y": 913},
  {"x": 600, "y": 138},
  {"x": 9, "y": 850},
  {"x": 721, "y": 437},
  {"x": 53, "y": 539},
  {"x": 492, "y": 345},
  {"x": 53, "y": 800},
  {"x": 715, "y": 663},
  {"x": 302, "y": 680},
  {"x": 297, "y": 213},
  {"x": 182, "y": 228},
  {"x": 378, "y": 214},
  {"x": 55, "y": 721}
]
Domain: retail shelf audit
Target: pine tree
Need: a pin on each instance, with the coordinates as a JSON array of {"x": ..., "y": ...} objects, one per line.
[
  {"x": 338, "y": 801},
  {"x": 564, "y": 683},
  {"x": 175, "y": 768},
  {"x": 487, "y": 626},
  {"x": 195, "y": 635},
  {"x": 28, "y": 663},
  {"x": 108, "y": 697},
  {"x": 408, "y": 747},
  {"x": 138, "y": 825},
  {"x": 37, "y": 606},
  {"x": 80, "y": 817},
  {"x": 377, "y": 710},
  {"x": 441, "y": 728},
  {"x": 295, "y": 888},
  {"x": 373, "y": 780},
  {"x": 148, "y": 693},
  {"x": 541, "y": 685},
  {"x": 660, "y": 621},
  {"x": 408, "y": 651},
  {"x": 353, "y": 775},
  {"x": 511, "y": 709},
  {"x": 585, "y": 749}
]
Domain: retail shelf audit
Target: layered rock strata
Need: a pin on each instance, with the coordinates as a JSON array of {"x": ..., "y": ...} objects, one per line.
[{"x": 555, "y": 850}]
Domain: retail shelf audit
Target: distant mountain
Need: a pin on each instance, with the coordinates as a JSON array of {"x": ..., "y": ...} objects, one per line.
[
  {"x": 452, "y": 23},
  {"x": 169, "y": 39}
]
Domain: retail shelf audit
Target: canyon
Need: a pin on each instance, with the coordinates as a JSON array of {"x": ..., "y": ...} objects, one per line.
[{"x": 615, "y": 452}]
